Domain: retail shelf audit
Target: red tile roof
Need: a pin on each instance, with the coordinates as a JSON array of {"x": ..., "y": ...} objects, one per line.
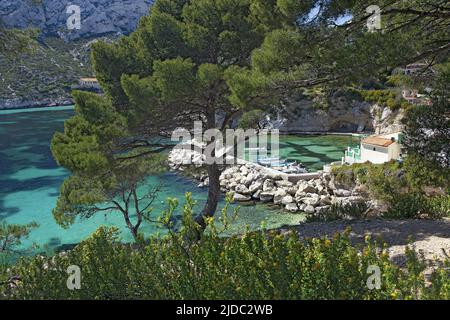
[{"x": 378, "y": 141}]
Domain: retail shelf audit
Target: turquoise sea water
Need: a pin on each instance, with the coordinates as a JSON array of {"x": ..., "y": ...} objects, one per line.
[
  {"x": 30, "y": 179},
  {"x": 315, "y": 151}
]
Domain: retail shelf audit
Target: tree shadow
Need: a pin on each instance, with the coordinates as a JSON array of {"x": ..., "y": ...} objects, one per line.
[{"x": 392, "y": 232}]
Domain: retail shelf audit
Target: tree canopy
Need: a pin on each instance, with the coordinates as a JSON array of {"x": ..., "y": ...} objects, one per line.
[
  {"x": 427, "y": 135},
  {"x": 177, "y": 67},
  {"x": 212, "y": 60},
  {"x": 322, "y": 52}
]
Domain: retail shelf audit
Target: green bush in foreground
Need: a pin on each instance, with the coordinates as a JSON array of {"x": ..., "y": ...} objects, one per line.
[
  {"x": 257, "y": 265},
  {"x": 401, "y": 186}
]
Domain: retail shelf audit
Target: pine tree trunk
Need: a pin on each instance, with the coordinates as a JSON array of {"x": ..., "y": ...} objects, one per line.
[
  {"x": 214, "y": 181},
  {"x": 213, "y": 195}
]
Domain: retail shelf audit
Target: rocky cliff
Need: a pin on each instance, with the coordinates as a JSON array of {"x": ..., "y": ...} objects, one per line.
[
  {"x": 342, "y": 115},
  {"x": 46, "y": 76},
  {"x": 98, "y": 17}
]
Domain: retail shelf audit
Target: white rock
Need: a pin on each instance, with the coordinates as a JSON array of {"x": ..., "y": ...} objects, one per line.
[
  {"x": 300, "y": 194},
  {"x": 331, "y": 185},
  {"x": 356, "y": 199},
  {"x": 317, "y": 182},
  {"x": 241, "y": 197},
  {"x": 320, "y": 188},
  {"x": 307, "y": 189},
  {"x": 232, "y": 185},
  {"x": 230, "y": 171},
  {"x": 311, "y": 201},
  {"x": 342, "y": 193},
  {"x": 266, "y": 196},
  {"x": 302, "y": 183},
  {"x": 287, "y": 199},
  {"x": 255, "y": 186},
  {"x": 268, "y": 185},
  {"x": 224, "y": 182},
  {"x": 309, "y": 209},
  {"x": 237, "y": 177},
  {"x": 275, "y": 176},
  {"x": 247, "y": 181},
  {"x": 242, "y": 189},
  {"x": 279, "y": 195},
  {"x": 244, "y": 170},
  {"x": 291, "y": 207}
]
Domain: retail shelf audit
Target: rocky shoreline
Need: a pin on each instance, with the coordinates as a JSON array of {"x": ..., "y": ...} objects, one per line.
[
  {"x": 25, "y": 104},
  {"x": 249, "y": 182}
]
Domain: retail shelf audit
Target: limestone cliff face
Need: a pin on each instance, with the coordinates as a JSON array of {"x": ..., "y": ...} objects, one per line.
[
  {"x": 342, "y": 115},
  {"x": 46, "y": 76},
  {"x": 98, "y": 17}
]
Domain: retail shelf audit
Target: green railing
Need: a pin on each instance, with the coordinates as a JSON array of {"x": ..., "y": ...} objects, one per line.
[{"x": 353, "y": 153}]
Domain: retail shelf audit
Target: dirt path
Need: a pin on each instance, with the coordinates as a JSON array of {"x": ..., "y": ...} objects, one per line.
[{"x": 429, "y": 237}]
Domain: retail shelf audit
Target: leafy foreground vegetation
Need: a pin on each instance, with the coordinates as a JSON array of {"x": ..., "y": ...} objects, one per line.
[{"x": 257, "y": 265}]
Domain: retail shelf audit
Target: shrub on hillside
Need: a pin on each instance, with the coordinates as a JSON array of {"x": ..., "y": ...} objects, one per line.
[
  {"x": 401, "y": 186},
  {"x": 387, "y": 98}
]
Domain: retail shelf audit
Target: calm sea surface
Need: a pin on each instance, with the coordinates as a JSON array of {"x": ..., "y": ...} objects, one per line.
[{"x": 30, "y": 179}]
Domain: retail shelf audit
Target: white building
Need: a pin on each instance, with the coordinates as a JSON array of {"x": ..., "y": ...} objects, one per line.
[{"x": 375, "y": 149}]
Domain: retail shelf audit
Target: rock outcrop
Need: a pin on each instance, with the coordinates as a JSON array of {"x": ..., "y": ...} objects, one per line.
[
  {"x": 46, "y": 77},
  {"x": 344, "y": 114},
  {"x": 98, "y": 17}
]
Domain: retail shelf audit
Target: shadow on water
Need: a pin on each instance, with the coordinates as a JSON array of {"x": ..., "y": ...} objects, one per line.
[
  {"x": 30, "y": 179},
  {"x": 315, "y": 151},
  {"x": 304, "y": 151},
  {"x": 25, "y": 157}
]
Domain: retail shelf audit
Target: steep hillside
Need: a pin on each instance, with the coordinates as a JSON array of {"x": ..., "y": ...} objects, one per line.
[
  {"x": 46, "y": 77},
  {"x": 98, "y": 17}
]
